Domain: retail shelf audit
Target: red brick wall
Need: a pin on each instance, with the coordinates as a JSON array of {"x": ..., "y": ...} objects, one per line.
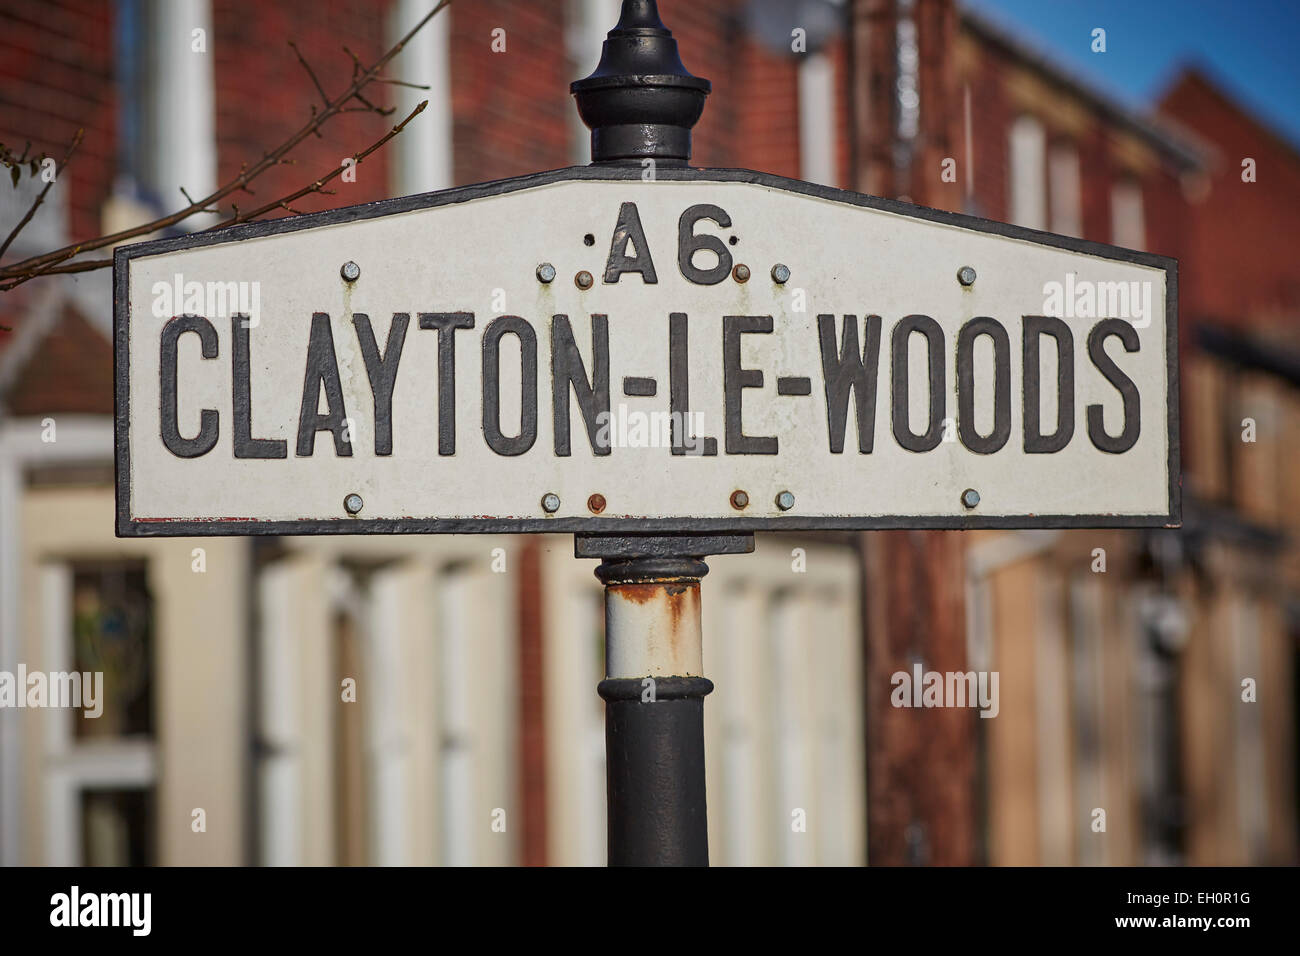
[
  {"x": 751, "y": 117},
  {"x": 839, "y": 53},
  {"x": 56, "y": 76},
  {"x": 513, "y": 112},
  {"x": 940, "y": 133},
  {"x": 1168, "y": 217},
  {"x": 991, "y": 119},
  {"x": 264, "y": 94},
  {"x": 512, "y": 109},
  {"x": 1096, "y": 182},
  {"x": 1242, "y": 271}
]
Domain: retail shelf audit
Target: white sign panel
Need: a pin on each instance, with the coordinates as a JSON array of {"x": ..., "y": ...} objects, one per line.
[{"x": 585, "y": 350}]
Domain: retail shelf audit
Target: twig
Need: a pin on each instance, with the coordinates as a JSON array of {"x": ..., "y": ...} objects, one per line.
[
  {"x": 306, "y": 66},
  {"x": 315, "y": 187},
  {"x": 191, "y": 200},
  {"x": 85, "y": 265},
  {"x": 414, "y": 86},
  {"x": 42, "y": 271},
  {"x": 40, "y": 198},
  {"x": 7, "y": 158}
]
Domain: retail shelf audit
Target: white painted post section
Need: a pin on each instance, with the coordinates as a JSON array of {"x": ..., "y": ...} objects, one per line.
[{"x": 653, "y": 630}]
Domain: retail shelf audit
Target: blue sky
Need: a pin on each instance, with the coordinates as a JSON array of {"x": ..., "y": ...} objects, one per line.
[{"x": 1251, "y": 47}]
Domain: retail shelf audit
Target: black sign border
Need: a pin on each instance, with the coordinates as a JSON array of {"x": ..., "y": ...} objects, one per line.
[{"x": 151, "y": 528}]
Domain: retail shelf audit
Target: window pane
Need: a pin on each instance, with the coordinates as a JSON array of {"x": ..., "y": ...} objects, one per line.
[
  {"x": 1066, "y": 198},
  {"x": 1028, "y": 173},
  {"x": 115, "y": 828},
  {"x": 112, "y": 625},
  {"x": 1127, "y": 226}
]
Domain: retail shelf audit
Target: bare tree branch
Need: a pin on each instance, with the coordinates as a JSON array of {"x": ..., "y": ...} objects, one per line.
[
  {"x": 51, "y": 262},
  {"x": 40, "y": 198},
  {"x": 315, "y": 187},
  {"x": 85, "y": 265}
]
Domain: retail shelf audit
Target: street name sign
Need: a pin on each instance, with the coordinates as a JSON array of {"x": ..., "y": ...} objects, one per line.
[{"x": 622, "y": 349}]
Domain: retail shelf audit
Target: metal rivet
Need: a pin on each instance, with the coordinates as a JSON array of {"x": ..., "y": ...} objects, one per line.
[
  {"x": 785, "y": 501},
  {"x": 596, "y": 504},
  {"x": 966, "y": 275},
  {"x": 780, "y": 273},
  {"x": 550, "y": 503},
  {"x": 546, "y": 273},
  {"x": 741, "y": 273},
  {"x": 350, "y": 271},
  {"x": 739, "y": 500},
  {"x": 583, "y": 280},
  {"x": 353, "y": 504},
  {"x": 970, "y": 497}
]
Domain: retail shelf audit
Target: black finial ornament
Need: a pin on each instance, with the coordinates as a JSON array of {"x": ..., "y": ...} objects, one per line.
[{"x": 641, "y": 102}]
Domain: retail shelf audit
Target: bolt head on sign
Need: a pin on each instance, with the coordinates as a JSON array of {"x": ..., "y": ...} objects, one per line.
[{"x": 850, "y": 373}]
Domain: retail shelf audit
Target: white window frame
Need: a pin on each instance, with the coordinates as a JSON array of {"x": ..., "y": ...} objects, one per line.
[
  {"x": 1065, "y": 188},
  {"x": 1027, "y": 166},
  {"x": 436, "y": 609},
  {"x": 786, "y": 649},
  {"x": 817, "y": 105},
  {"x": 80, "y": 438},
  {"x": 73, "y": 766},
  {"x": 1127, "y": 216},
  {"x": 575, "y": 716}
]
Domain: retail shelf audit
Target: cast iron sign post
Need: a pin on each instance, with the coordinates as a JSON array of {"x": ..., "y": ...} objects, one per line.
[
  {"x": 658, "y": 359},
  {"x": 640, "y": 104}
]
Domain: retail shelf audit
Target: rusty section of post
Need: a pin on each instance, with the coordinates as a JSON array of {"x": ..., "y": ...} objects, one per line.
[
  {"x": 654, "y": 711},
  {"x": 652, "y": 617},
  {"x": 654, "y": 692}
]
